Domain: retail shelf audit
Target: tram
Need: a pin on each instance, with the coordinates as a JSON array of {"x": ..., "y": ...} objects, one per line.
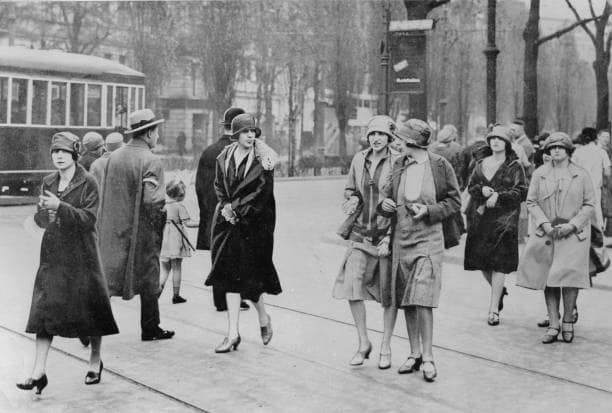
[{"x": 46, "y": 91}]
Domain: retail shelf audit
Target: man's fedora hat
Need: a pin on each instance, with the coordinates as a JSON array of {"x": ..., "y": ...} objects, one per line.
[
  {"x": 229, "y": 115},
  {"x": 141, "y": 120}
]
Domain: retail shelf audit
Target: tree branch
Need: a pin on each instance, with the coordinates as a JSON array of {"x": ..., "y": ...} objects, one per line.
[
  {"x": 578, "y": 18},
  {"x": 561, "y": 32},
  {"x": 592, "y": 9}
]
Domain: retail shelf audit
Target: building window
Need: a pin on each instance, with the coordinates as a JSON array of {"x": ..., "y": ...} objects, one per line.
[
  {"x": 132, "y": 99},
  {"x": 77, "y": 104},
  {"x": 3, "y": 98},
  {"x": 19, "y": 102},
  {"x": 121, "y": 106},
  {"x": 141, "y": 98},
  {"x": 94, "y": 105},
  {"x": 58, "y": 103},
  {"x": 109, "y": 106},
  {"x": 39, "y": 102}
]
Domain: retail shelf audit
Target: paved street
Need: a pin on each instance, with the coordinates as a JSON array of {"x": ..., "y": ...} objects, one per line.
[{"x": 305, "y": 368}]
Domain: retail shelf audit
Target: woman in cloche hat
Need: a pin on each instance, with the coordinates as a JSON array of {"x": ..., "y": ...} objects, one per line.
[
  {"x": 243, "y": 228},
  {"x": 69, "y": 265},
  {"x": 561, "y": 202},
  {"x": 424, "y": 199},
  {"x": 366, "y": 263},
  {"x": 497, "y": 187}
]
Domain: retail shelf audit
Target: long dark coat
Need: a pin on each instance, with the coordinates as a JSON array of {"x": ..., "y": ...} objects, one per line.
[
  {"x": 70, "y": 296},
  {"x": 204, "y": 186},
  {"x": 132, "y": 220},
  {"x": 492, "y": 233},
  {"x": 242, "y": 253}
]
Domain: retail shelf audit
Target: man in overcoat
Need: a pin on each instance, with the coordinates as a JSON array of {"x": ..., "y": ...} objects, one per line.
[
  {"x": 131, "y": 221},
  {"x": 205, "y": 191}
]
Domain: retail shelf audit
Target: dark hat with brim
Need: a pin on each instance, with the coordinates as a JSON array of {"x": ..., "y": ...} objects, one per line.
[
  {"x": 229, "y": 115},
  {"x": 414, "y": 132},
  {"x": 244, "y": 122},
  {"x": 142, "y": 120},
  {"x": 65, "y": 141}
]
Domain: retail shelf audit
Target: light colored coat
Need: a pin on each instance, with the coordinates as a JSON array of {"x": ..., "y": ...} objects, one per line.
[
  {"x": 131, "y": 220},
  {"x": 558, "y": 262}
]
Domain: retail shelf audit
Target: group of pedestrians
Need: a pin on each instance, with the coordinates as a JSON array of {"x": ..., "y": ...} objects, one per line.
[
  {"x": 403, "y": 210},
  {"x": 107, "y": 232}
]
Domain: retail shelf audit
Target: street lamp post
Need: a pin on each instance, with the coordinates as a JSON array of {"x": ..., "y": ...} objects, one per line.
[
  {"x": 385, "y": 58},
  {"x": 491, "y": 52}
]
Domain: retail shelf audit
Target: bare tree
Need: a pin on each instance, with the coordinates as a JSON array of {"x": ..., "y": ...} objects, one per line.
[
  {"x": 602, "y": 44},
  {"x": 533, "y": 41},
  {"x": 151, "y": 35}
]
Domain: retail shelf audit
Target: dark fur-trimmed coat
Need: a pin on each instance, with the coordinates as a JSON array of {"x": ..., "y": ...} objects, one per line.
[{"x": 242, "y": 253}]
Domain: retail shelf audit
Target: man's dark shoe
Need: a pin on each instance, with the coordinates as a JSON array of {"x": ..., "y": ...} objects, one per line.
[
  {"x": 159, "y": 335},
  {"x": 244, "y": 306},
  {"x": 177, "y": 299}
]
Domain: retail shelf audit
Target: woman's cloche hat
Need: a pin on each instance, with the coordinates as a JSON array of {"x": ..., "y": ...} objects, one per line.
[
  {"x": 65, "y": 141},
  {"x": 558, "y": 139},
  {"x": 500, "y": 132},
  {"x": 141, "y": 120},
  {"x": 383, "y": 124},
  {"x": 414, "y": 132},
  {"x": 245, "y": 122}
]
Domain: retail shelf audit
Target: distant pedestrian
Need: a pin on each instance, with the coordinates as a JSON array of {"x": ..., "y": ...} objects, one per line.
[
  {"x": 207, "y": 198},
  {"x": 70, "y": 297},
  {"x": 175, "y": 243},
  {"x": 497, "y": 188},
  {"x": 561, "y": 202},
  {"x": 243, "y": 229},
  {"x": 539, "y": 157},
  {"x": 517, "y": 135},
  {"x": 132, "y": 220},
  {"x": 181, "y": 140},
  {"x": 596, "y": 162},
  {"x": 447, "y": 147},
  {"x": 366, "y": 265},
  {"x": 423, "y": 198},
  {"x": 93, "y": 148},
  {"x": 113, "y": 141}
]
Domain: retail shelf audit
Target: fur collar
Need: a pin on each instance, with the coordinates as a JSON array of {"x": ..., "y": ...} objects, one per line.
[{"x": 266, "y": 156}]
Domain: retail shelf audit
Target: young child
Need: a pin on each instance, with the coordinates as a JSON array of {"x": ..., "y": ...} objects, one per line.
[{"x": 175, "y": 244}]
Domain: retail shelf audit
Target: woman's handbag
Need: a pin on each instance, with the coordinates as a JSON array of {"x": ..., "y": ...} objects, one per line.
[{"x": 347, "y": 226}]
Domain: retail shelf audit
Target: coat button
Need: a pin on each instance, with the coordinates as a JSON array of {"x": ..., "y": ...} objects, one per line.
[{"x": 547, "y": 242}]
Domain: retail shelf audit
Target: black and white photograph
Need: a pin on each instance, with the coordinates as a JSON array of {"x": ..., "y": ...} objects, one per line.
[{"x": 296, "y": 206}]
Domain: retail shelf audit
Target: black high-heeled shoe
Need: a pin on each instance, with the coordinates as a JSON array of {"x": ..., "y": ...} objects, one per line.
[
  {"x": 408, "y": 368},
  {"x": 40, "y": 383},
  {"x": 227, "y": 345},
  {"x": 92, "y": 377}
]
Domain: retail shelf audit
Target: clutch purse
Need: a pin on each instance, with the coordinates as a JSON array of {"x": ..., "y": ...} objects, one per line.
[{"x": 347, "y": 226}]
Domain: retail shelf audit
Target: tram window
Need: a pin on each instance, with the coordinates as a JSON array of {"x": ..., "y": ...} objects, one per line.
[
  {"x": 58, "y": 103},
  {"x": 94, "y": 105},
  {"x": 77, "y": 103},
  {"x": 19, "y": 101},
  {"x": 109, "y": 106},
  {"x": 121, "y": 106},
  {"x": 132, "y": 99},
  {"x": 141, "y": 98},
  {"x": 39, "y": 102},
  {"x": 3, "y": 98}
]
